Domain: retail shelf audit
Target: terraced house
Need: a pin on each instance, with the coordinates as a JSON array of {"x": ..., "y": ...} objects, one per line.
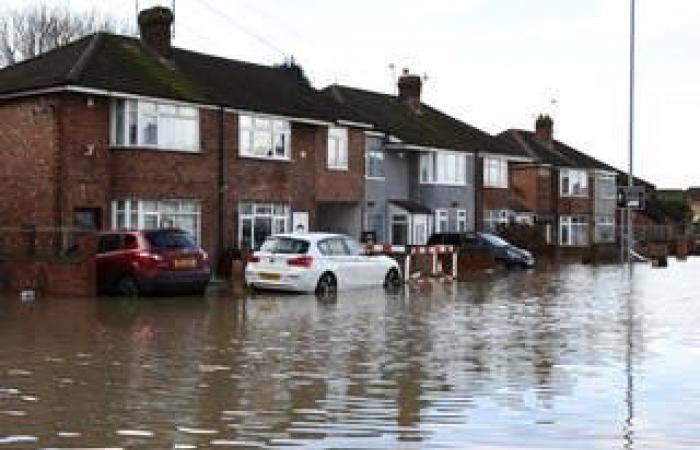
[
  {"x": 422, "y": 166},
  {"x": 116, "y": 132}
]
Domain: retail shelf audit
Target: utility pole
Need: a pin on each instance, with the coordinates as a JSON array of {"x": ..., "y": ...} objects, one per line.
[{"x": 630, "y": 177}]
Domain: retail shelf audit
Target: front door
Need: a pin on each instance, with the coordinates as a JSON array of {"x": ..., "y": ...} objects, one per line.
[{"x": 420, "y": 229}]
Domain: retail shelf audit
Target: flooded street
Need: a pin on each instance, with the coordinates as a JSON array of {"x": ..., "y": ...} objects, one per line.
[{"x": 575, "y": 357}]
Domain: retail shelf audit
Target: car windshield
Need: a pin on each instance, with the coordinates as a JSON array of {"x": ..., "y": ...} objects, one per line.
[
  {"x": 170, "y": 239},
  {"x": 495, "y": 240},
  {"x": 284, "y": 245}
]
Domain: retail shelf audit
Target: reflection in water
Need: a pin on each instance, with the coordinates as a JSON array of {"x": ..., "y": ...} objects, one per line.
[{"x": 523, "y": 359}]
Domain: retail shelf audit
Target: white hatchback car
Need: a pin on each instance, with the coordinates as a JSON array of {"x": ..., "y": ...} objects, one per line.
[{"x": 318, "y": 262}]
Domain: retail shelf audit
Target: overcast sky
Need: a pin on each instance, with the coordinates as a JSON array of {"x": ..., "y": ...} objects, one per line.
[{"x": 494, "y": 64}]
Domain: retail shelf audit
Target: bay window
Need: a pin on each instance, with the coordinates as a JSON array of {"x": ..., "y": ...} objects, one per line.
[
  {"x": 165, "y": 126},
  {"x": 440, "y": 167},
  {"x": 573, "y": 231},
  {"x": 337, "y": 148},
  {"x": 495, "y": 172},
  {"x": 153, "y": 214},
  {"x": 573, "y": 183},
  {"x": 257, "y": 221},
  {"x": 264, "y": 137}
]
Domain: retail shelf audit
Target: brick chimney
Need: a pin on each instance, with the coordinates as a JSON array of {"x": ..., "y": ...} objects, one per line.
[
  {"x": 409, "y": 89},
  {"x": 544, "y": 128},
  {"x": 155, "y": 25}
]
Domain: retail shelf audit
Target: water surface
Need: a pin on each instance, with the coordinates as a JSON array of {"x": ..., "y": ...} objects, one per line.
[{"x": 572, "y": 357}]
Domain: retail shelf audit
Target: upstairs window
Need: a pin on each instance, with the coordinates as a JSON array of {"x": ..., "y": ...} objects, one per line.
[
  {"x": 606, "y": 187},
  {"x": 338, "y": 148},
  {"x": 441, "y": 167},
  {"x": 574, "y": 183},
  {"x": 165, "y": 126},
  {"x": 264, "y": 137},
  {"x": 495, "y": 173}
]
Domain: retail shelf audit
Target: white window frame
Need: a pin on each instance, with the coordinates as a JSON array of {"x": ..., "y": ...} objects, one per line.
[
  {"x": 605, "y": 178},
  {"x": 572, "y": 223},
  {"x": 462, "y": 220},
  {"x": 495, "y": 172},
  {"x": 268, "y": 128},
  {"x": 279, "y": 215},
  {"x": 442, "y": 220},
  {"x": 134, "y": 212},
  {"x": 605, "y": 222},
  {"x": 495, "y": 217},
  {"x": 134, "y": 113},
  {"x": 379, "y": 155},
  {"x": 574, "y": 177},
  {"x": 337, "y": 148},
  {"x": 443, "y": 168}
]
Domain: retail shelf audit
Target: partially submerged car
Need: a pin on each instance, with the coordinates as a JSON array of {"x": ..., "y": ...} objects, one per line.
[
  {"x": 321, "y": 263},
  {"x": 132, "y": 263},
  {"x": 503, "y": 251}
]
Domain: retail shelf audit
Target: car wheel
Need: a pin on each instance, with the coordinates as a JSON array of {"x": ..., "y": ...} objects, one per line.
[
  {"x": 327, "y": 285},
  {"x": 127, "y": 286},
  {"x": 392, "y": 279}
]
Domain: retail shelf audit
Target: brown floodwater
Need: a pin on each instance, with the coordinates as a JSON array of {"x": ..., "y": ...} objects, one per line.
[{"x": 568, "y": 357}]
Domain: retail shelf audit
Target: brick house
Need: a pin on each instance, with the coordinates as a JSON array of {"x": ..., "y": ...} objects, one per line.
[
  {"x": 420, "y": 164},
  {"x": 572, "y": 195},
  {"x": 116, "y": 132}
]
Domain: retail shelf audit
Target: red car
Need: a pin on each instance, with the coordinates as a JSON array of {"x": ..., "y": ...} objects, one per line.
[{"x": 132, "y": 263}]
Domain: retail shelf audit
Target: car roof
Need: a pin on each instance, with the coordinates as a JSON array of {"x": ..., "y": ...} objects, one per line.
[{"x": 310, "y": 236}]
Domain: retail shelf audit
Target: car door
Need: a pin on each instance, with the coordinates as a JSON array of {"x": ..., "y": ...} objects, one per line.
[
  {"x": 338, "y": 261},
  {"x": 364, "y": 270}
]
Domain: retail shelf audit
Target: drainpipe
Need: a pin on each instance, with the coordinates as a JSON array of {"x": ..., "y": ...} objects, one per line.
[
  {"x": 478, "y": 214},
  {"x": 221, "y": 185}
]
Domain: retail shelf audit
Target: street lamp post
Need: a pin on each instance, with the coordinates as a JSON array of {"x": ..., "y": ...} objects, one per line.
[{"x": 630, "y": 176}]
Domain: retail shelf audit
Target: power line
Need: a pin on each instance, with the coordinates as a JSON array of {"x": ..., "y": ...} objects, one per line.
[{"x": 242, "y": 28}]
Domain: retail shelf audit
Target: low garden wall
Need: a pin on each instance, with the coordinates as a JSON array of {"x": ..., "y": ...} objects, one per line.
[{"x": 65, "y": 272}]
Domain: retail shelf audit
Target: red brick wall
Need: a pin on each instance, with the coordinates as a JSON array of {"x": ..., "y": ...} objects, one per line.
[
  {"x": 93, "y": 175},
  {"x": 29, "y": 149},
  {"x": 494, "y": 198},
  {"x": 534, "y": 185},
  {"x": 339, "y": 185}
]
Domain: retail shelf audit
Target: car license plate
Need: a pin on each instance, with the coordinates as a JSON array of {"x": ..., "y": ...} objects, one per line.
[
  {"x": 269, "y": 276},
  {"x": 187, "y": 263}
]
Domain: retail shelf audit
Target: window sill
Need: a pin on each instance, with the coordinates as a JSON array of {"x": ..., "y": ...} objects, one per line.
[
  {"x": 126, "y": 148},
  {"x": 266, "y": 158},
  {"x": 488, "y": 186},
  {"x": 434, "y": 183},
  {"x": 337, "y": 169},
  {"x": 574, "y": 195},
  {"x": 375, "y": 178}
]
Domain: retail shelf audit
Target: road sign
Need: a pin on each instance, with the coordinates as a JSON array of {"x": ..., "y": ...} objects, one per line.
[{"x": 631, "y": 197}]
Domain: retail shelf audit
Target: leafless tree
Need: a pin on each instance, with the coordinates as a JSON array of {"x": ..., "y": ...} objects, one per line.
[{"x": 28, "y": 31}]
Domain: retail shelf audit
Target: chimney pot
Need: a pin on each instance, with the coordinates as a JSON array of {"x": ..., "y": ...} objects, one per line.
[
  {"x": 155, "y": 26},
  {"x": 410, "y": 87},
  {"x": 544, "y": 128}
]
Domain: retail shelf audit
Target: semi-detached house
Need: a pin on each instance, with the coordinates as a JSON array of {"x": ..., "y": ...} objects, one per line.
[
  {"x": 421, "y": 164},
  {"x": 572, "y": 195},
  {"x": 116, "y": 132}
]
